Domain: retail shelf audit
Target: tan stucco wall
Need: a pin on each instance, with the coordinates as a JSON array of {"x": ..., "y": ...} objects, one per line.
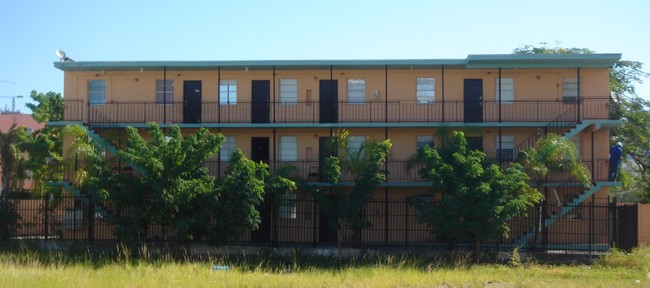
[
  {"x": 644, "y": 225},
  {"x": 124, "y": 85}
]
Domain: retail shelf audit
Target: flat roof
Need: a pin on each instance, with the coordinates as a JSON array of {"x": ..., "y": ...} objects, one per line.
[{"x": 483, "y": 61}]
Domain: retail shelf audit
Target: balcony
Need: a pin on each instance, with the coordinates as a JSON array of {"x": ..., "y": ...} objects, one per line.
[
  {"x": 398, "y": 171},
  {"x": 341, "y": 112}
]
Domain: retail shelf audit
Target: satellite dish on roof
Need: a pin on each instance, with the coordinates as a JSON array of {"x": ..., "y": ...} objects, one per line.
[{"x": 59, "y": 53}]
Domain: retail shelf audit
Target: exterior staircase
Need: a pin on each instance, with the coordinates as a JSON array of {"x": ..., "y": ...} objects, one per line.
[
  {"x": 523, "y": 240},
  {"x": 100, "y": 211},
  {"x": 102, "y": 143},
  {"x": 562, "y": 125}
]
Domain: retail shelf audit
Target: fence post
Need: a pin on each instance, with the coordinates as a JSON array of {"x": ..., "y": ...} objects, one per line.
[
  {"x": 314, "y": 222},
  {"x": 46, "y": 211},
  {"x": 591, "y": 224},
  {"x": 2, "y": 216},
  {"x": 406, "y": 224},
  {"x": 613, "y": 220},
  {"x": 543, "y": 224},
  {"x": 91, "y": 219}
]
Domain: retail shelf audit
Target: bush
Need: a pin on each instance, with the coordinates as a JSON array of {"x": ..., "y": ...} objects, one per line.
[{"x": 639, "y": 258}]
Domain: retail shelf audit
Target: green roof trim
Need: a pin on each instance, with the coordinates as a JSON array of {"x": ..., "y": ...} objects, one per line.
[
  {"x": 259, "y": 64},
  {"x": 514, "y": 61},
  {"x": 471, "y": 62}
]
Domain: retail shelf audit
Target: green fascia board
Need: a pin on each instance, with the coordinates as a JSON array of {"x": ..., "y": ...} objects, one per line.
[
  {"x": 514, "y": 61},
  {"x": 259, "y": 64},
  {"x": 471, "y": 62},
  {"x": 325, "y": 125}
]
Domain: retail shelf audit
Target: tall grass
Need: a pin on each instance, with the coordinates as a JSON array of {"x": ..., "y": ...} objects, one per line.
[{"x": 132, "y": 267}]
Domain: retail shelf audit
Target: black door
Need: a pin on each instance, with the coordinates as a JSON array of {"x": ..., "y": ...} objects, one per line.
[
  {"x": 261, "y": 97},
  {"x": 260, "y": 152},
  {"x": 475, "y": 143},
  {"x": 473, "y": 100},
  {"x": 627, "y": 226},
  {"x": 329, "y": 97},
  {"x": 260, "y": 149},
  {"x": 327, "y": 222},
  {"x": 192, "y": 102},
  {"x": 262, "y": 235}
]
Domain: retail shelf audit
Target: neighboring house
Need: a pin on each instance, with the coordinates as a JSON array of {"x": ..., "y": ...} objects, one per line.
[
  {"x": 21, "y": 120},
  {"x": 282, "y": 112}
]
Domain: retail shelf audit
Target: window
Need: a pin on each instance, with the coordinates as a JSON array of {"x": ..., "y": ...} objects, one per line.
[
  {"x": 424, "y": 140},
  {"x": 570, "y": 90},
  {"x": 507, "y": 90},
  {"x": 288, "y": 91},
  {"x": 356, "y": 91},
  {"x": 354, "y": 145},
  {"x": 288, "y": 148},
  {"x": 97, "y": 91},
  {"x": 288, "y": 207},
  {"x": 164, "y": 91},
  {"x": 227, "y": 148},
  {"x": 425, "y": 90},
  {"x": 505, "y": 148},
  {"x": 228, "y": 92}
]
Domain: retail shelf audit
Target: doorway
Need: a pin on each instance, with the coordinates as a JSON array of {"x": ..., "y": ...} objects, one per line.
[
  {"x": 261, "y": 95},
  {"x": 192, "y": 101},
  {"x": 473, "y": 98},
  {"x": 328, "y": 93}
]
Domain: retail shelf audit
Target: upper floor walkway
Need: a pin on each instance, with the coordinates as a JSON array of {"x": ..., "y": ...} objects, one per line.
[{"x": 340, "y": 114}]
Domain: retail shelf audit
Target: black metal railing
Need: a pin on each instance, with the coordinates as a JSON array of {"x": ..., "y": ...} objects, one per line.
[
  {"x": 309, "y": 112},
  {"x": 394, "y": 222},
  {"x": 397, "y": 171}
]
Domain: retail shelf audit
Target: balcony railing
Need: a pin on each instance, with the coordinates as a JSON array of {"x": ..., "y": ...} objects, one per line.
[
  {"x": 398, "y": 171},
  {"x": 341, "y": 112}
]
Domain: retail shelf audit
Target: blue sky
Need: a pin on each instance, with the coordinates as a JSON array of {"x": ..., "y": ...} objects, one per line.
[{"x": 121, "y": 30}]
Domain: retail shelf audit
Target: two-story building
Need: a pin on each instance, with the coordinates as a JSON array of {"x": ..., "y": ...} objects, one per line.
[{"x": 282, "y": 112}]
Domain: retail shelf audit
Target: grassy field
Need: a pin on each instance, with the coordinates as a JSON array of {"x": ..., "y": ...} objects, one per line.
[{"x": 27, "y": 268}]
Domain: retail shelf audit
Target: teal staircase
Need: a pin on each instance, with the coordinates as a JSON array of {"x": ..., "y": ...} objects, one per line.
[
  {"x": 100, "y": 210},
  {"x": 101, "y": 143},
  {"x": 523, "y": 240}
]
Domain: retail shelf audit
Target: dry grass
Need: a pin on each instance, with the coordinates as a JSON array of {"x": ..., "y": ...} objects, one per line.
[{"x": 37, "y": 269}]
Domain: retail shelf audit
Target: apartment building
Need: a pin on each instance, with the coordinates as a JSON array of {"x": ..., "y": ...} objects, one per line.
[{"x": 282, "y": 112}]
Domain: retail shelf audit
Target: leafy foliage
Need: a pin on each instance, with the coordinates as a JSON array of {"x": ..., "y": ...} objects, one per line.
[
  {"x": 633, "y": 132},
  {"x": 13, "y": 159},
  {"x": 241, "y": 191},
  {"x": 174, "y": 173},
  {"x": 553, "y": 153},
  {"x": 45, "y": 146},
  {"x": 365, "y": 165},
  {"x": 49, "y": 106},
  {"x": 475, "y": 200}
]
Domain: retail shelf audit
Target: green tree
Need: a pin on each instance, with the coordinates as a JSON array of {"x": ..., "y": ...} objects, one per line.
[
  {"x": 634, "y": 131},
  {"x": 277, "y": 186},
  {"x": 48, "y": 107},
  {"x": 45, "y": 146},
  {"x": 552, "y": 153},
  {"x": 475, "y": 200},
  {"x": 13, "y": 170},
  {"x": 365, "y": 164},
  {"x": 173, "y": 169},
  {"x": 241, "y": 192},
  {"x": 13, "y": 158}
]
